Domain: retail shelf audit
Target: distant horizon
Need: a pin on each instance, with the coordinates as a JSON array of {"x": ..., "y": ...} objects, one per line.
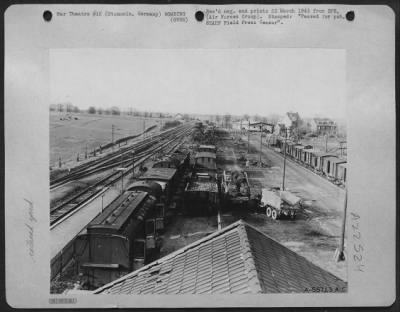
[
  {"x": 202, "y": 81},
  {"x": 124, "y": 113}
]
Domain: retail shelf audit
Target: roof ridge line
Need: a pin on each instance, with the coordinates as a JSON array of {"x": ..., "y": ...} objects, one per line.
[
  {"x": 171, "y": 255},
  {"x": 297, "y": 254},
  {"x": 248, "y": 258}
]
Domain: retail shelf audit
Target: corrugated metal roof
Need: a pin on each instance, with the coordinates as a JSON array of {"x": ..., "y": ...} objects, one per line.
[{"x": 237, "y": 259}]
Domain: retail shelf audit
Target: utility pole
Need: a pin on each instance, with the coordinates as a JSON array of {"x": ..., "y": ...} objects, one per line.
[
  {"x": 112, "y": 137},
  {"x": 261, "y": 127},
  {"x": 340, "y": 252},
  {"x": 248, "y": 139},
  {"x": 133, "y": 163},
  {"x": 326, "y": 143},
  {"x": 284, "y": 160}
]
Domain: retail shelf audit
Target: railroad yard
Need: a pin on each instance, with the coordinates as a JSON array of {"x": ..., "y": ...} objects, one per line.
[{"x": 151, "y": 198}]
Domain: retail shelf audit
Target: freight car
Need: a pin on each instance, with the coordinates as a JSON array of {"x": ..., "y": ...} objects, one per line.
[
  {"x": 116, "y": 241},
  {"x": 325, "y": 164},
  {"x": 125, "y": 235}
]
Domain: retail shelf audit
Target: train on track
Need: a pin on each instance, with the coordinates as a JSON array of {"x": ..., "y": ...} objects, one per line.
[
  {"x": 125, "y": 235},
  {"x": 330, "y": 165}
]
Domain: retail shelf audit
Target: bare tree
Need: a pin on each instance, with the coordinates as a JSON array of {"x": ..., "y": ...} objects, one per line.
[
  {"x": 217, "y": 118},
  {"x": 115, "y": 110},
  {"x": 92, "y": 110},
  {"x": 70, "y": 107},
  {"x": 227, "y": 119}
]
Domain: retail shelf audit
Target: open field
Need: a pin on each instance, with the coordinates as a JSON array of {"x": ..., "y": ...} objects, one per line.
[{"x": 70, "y": 136}]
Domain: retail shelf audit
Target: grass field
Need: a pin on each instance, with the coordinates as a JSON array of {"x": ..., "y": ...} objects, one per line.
[{"x": 70, "y": 136}]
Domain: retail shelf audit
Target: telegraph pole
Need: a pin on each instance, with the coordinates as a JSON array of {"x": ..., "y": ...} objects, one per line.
[
  {"x": 260, "y": 142},
  {"x": 248, "y": 139},
  {"x": 340, "y": 252},
  {"x": 326, "y": 143},
  {"x": 133, "y": 163},
  {"x": 284, "y": 160},
  {"x": 144, "y": 126},
  {"x": 112, "y": 137}
]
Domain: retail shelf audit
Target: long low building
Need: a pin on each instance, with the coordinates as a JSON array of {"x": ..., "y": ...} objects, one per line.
[{"x": 238, "y": 259}]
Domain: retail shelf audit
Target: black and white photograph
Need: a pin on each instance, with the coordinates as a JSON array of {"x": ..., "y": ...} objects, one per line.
[
  {"x": 209, "y": 177},
  {"x": 199, "y": 156}
]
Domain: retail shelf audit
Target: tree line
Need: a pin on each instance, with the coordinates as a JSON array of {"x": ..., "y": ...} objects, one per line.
[{"x": 114, "y": 110}]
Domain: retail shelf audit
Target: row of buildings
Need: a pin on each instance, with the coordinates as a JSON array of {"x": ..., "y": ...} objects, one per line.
[{"x": 293, "y": 122}]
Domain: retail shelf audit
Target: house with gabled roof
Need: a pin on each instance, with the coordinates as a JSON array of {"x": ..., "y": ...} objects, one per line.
[
  {"x": 238, "y": 259},
  {"x": 323, "y": 126}
]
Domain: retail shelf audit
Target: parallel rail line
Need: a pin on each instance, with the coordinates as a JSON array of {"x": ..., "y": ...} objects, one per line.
[
  {"x": 108, "y": 160},
  {"x": 72, "y": 204}
]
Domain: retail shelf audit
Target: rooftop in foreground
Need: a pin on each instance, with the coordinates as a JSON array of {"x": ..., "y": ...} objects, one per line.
[{"x": 238, "y": 259}]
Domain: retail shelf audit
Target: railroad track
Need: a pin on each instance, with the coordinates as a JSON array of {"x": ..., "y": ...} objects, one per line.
[
  {"x": 113, "y": 159},
  {"x": 72, "y": 204}
]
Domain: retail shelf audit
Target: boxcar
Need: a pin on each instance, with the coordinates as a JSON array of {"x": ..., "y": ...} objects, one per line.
[
  {"x": 207, "y": 148},
  {"x": 341, "y": 173},
  {"x": 165, "y": 177},
  {"x": 114, "y": 242},
  {"x": 205, "y": 160}
]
